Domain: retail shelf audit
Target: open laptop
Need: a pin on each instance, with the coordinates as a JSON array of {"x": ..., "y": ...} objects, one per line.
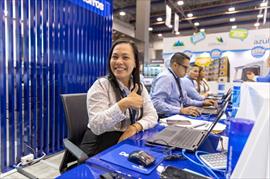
[
  {"x": 213, "y": 109},
  {"x": 219, "y": 97},
  {"x": 182, "y": 137}
]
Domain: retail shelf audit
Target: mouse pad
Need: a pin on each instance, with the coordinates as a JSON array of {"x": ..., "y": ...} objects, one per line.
[{"x": 119, "y": 156}]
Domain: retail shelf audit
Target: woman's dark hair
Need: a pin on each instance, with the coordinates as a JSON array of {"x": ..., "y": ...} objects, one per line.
[
  {"x": 199, "y": 79},
  {"x": 136, "y": 70},
  {"x": 135, "y": 73}
]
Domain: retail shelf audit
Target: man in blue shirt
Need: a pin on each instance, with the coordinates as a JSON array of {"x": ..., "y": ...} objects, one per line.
[
  {"x": 251, "y": 76},
  {"x": 167, "y": 94},
  {"x": 188, "y": 83}
]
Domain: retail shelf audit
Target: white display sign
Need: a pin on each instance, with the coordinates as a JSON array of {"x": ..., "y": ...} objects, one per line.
[
  {"x": 176, "y": 22},
  {"x": 168, "y": 16},
  {"x": 220, "y": 41}
]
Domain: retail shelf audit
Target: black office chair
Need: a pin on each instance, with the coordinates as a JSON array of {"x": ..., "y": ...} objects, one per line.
[{"x": 76, "y": 119}]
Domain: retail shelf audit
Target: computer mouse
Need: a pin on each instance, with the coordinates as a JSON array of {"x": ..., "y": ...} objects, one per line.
[{"x": 141, "y": 157}]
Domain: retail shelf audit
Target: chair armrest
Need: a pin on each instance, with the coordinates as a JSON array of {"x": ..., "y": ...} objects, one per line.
[{"x": 75, "y": 150}]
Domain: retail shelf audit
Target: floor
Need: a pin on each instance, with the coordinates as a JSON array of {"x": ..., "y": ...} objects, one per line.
[{"x": 47, "y": 168}]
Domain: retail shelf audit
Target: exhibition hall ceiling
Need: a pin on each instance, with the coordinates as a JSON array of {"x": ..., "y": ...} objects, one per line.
[{"x": 211, "y": 16}]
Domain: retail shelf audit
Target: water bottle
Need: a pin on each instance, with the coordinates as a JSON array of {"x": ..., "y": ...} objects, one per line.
[
  {"x": 238, "y": 130},
  {"x": 235, "y": 99}
]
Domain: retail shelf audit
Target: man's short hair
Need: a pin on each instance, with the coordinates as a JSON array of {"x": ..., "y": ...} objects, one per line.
[{"x": 178, "y": 58}]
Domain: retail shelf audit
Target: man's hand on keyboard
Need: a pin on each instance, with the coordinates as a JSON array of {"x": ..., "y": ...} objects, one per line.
[
  {"x": 191, "y": 110},
  {"x": 209, "y": 102}
]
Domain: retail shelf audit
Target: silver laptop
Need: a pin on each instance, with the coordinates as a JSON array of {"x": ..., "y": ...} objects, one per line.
[
  {"x": 213, "y": 109},
  {"x": 182, "y": 137}
]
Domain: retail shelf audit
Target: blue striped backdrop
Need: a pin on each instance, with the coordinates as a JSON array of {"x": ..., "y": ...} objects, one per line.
[{"x": 47, "y": 47}]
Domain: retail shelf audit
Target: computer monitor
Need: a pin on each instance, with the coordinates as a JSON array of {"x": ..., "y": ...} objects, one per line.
[{"x": 254, "y": 69}]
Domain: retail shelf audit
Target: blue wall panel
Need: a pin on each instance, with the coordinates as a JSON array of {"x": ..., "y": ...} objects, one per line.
[{"x": 47, "y": 48}]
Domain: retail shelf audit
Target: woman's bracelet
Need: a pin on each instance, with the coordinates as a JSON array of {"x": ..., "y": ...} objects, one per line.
[{"x": 137, "y": 130}]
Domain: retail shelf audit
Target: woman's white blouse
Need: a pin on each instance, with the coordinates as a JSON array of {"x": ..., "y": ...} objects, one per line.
[{"x": 104, "y": 113}]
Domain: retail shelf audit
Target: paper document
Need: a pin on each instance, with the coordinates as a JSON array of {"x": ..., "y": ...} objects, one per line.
[{"x": 183, "y": 121}]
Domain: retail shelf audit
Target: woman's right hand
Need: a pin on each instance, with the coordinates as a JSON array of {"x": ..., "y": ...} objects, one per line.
[{"x": 133, "y": 100}]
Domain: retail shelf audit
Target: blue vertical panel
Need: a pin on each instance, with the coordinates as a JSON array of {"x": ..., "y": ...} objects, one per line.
[
  {"x": 11, "y": 92},
  {"x": 61, "y": 70},
  {"x": 3, "y": 113},
  {"x": 39, "y": 83},
  {"x": 26, "y": 79},
  {"x": 48, "y": 48},
  {"x": 45, "y": 111},
  {"x": 51, "y": 75},
  {"x": 19, "y": 59},
  {"x": 57, "y": 76},
  {"x": 33, "y": 75}
]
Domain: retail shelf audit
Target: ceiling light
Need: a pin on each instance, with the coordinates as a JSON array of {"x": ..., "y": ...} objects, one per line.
[
  {"x": 231, "y": 9},
  {"x": 177, "y": 33},
  {"x": 234, "y": 27},
  {"x": 263, "y": 4},
  {"x": 190, "y": 15},
  {"x": 196, "y": 23},
  {"x": 257, "y": 24},
  {"x": 122, "y": 13},
  {"x": 232, "y": 19},
  {"x": 160, "y": 35},
  {"x": 202, "y": 30},
  {"x": 150, "y": 28},
  {"x": 159, "y": 19},
  {"x": 180, "y": 3},
  {"x": 260, "y": 15}
]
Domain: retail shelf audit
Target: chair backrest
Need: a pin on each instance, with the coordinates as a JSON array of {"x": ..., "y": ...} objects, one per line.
[{"x": 76, "y": 115}]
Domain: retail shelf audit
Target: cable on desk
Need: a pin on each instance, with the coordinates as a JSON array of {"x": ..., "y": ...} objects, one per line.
[
  {"x": 202, "y": 165},
  {"x": 164, "y": 148},
  {"x": 167, "y": 151}
]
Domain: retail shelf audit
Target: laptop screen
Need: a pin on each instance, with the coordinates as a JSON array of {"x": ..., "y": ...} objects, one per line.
[{"x": 220, "y": 113}]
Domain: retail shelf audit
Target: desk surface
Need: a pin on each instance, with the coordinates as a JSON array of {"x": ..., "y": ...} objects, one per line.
[
  {"x": 94, "y": 166},
  {"x": 139, "y": 140}
]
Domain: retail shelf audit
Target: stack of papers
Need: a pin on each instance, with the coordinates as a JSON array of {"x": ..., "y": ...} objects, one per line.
[{"x": 183, "y": 121}]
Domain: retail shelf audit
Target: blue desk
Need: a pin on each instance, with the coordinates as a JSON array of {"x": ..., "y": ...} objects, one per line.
[
  {"x": 94, "y": 166},
  {"x": 139, "y": 140}
]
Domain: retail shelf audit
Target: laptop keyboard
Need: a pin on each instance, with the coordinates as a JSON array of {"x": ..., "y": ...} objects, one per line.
[{"x": 185, "y": 137}]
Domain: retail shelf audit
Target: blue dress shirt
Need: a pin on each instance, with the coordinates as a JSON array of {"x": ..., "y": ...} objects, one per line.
[
  {"x": 263, "y": 78},
  {"x": 189, "y": 86},
  {"x": 165, "y": 95}
]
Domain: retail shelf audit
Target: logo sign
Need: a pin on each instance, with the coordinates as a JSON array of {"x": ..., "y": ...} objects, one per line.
[
  {"x": 264, "y": 41},
  {"x": 220, "y": 39},
  {"x": 123, "y": 154},
  {"x": 238, "y": 34},
  {"x": 215, "y": 53},
  {"x": 178, "y": 44},
  {"x": 101, "y": 7},
  {"x": 97, "y": 4},
  {"x": 258, "y": 51},
  {"x": 197, "y": 37},
  {"x": 188, "y": 53}
]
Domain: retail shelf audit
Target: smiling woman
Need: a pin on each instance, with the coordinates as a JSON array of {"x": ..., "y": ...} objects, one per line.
[{"x": 118, "y": 105}]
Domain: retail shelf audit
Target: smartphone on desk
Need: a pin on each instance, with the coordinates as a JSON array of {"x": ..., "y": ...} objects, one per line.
[{"x": 176, "y": 173}]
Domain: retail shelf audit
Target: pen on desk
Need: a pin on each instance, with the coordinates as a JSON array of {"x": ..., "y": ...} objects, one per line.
[{"x": 199, "y": 125}]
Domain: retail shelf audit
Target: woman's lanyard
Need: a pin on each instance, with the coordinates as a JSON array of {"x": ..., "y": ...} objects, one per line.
[
  {"x": 132, "y": 112},
  {"x": 181, "y": 97}
]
